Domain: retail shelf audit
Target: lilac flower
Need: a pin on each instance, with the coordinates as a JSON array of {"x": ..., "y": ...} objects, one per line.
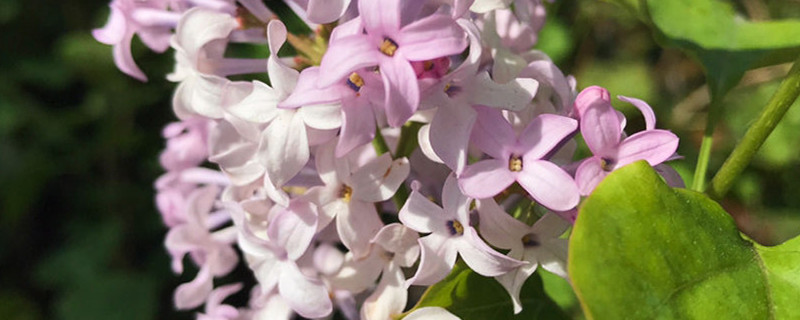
[
  {"x": 212, "y": 251},
  {"x": 215, "y": 310},
  {"x": 538, "y": 244},
  {"x": 359, "y": 95},
  {"x": 457, "y": 93},
  {"x": 349, "y": 194},
  {"x": 521, "y": 159},
  {"x": 601, "y": 127},
  {"x": 431, "y": 313},
  {"x": 392, "y": 47},
  {"x": 149, "y": 19},
  {"x": 451, "y": 233},
  {"x": 273, "y": 258}
]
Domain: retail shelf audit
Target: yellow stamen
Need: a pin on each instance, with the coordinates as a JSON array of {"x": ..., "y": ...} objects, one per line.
[
  {"x": 356, "y": 80},
  {"x": 346, "y": 193},
  {"x": 388, "y": 47},
  {"x": 515, "y": 164}
]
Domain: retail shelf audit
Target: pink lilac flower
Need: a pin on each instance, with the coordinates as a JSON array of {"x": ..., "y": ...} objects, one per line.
[
  {"x": 349, "y": 194},
  {"x": 457, "y": 93},
  {"x": 538, "y": 244},
  {"x": 521, "y": 159},
  {"x": 149, "y": 19},
  {"x": 215, "y": 310},
  {"x": 450, "y": 233},
  {"x": 601, "y": 128},
  {"x": 359, "y": 95},
  {"x": 392, "y": 47},
  {"x": 431, "y": 313}
]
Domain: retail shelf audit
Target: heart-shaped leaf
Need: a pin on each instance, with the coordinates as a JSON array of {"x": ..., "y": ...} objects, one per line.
[{"x": 642, "y": 250}]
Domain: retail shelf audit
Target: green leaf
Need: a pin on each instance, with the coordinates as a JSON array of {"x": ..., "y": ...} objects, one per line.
[
  {"x": 725, "y": 43},
  {"x": 642, "y": 250},
  {"x": 469, "y": 295}
]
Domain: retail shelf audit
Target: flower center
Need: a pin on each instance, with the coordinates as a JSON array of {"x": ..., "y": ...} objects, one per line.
[
  {"x": 346, "y": 193},
  {"x": 530, "y": 240},
  {"x": 388, "y": 47},
  {"x": 515, "y": 163},
  {"x": 607, "y": 164},
  {"x": 355, "y": 82},
  {"x": 455, "y": 227}
]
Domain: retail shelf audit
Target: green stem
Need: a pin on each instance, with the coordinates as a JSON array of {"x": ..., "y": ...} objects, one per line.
[
  {"x": 714, "y": 110},
  {"x": 379, "y": 143},
  {"x": 408, "y": 139},
  {"x": 744, "y": 152}
]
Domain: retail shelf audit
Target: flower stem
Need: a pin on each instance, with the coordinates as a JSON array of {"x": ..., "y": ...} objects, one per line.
[
  {"x": 744, "y": 152},
  {"x": 714, "y": 110}
]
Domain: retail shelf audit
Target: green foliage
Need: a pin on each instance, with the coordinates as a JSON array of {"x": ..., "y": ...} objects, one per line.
[
  {"x": 642, "y": 250},
  {"x": 472, "y": 296},
  {"x": 723, "y": 42}
]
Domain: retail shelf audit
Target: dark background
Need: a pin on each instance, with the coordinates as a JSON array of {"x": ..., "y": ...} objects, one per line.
[{"x": 79, "y": 234}]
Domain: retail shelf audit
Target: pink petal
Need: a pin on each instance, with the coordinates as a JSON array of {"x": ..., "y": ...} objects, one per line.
[
  {"x": 284, "y": 147},
  {"x": 431, "y": 37},
  {"x": 422, "y": 215},
  {"x": 654, "y": 146},
  {"x": 358, "y": 125},
  {"x": 449, "y": 134},
  {"x": 600, "y": 127},
  {"x": 259, "y": 106},
  {"x": 306, "y": 91},
  {"x": 346, "y": 55},
  {"x": 645, "y": 109},
  {"x": 332, "y": 170},
  {"x": 438, "y": 257},
  {"x": 481, "y": 258},
  {"x": 293, "y": 228},
  {"x": 389, "y": 298},
  {"x": 192, "y": 294},
  {"x": 515, "y": 279},
  {"x": 492, "y": 133},
  {"x": 326, "y": 11},
  {"x": 358, "y": 274},
  {"x": 123, "y": 58},
  {"x": 380, "y": 18},
  {"x": 307, "y": 296},
  {"x": 328, "y": 259},
  {"x": 549, "y": 185},
  {"x": 543, "y": 134},
  {"x": 498, "y": 227},
  {"x": 357, "y": 225},
  {"x": 513, "y": 95},
  {"x": 400, "y": 240},
  {"x": 671, "y": 176},
  {"x": 115, "y": 29},
  {"x": 379, "y": 179},
  {"x": 486, "y": 178},
  {"x": 282, "y": 77},
  {"x": 454, "y": 202},
  {"x": 590, "y": 96},
  {"x": 401, "y": 89}
]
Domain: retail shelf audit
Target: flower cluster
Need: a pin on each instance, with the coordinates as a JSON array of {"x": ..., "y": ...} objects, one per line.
[{"x": 321, "y": 186}]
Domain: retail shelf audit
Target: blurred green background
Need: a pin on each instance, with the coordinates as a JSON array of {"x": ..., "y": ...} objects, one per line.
[{"x": 79, "y": 234}]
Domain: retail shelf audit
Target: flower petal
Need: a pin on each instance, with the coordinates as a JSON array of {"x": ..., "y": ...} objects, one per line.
[
  {"x": 486, "y": 178},
  {"x": 284, "y": 147},
  {"x": 543, "y": 134},
  {"x": 307, "y": 296},
  {"x": 389, "y": 298},
  {"x": 589, "y": 174},
  {"x": 434, "y": 36},
  {"x": 357, "y": 225},
  {"x": 513, "y": 95},
  {"x": 346, "y": 55},
  {"x": 498, "y": 227},
  {"x": 492, "y": 133},
  {"x": 481, "y": 258},
  {"x": 401, "y": 89},
  {"x": 380, "y": 17},
  {"x": 379, "y": 179},
  {"x": 654, "y": 146},
  {"x": 326, "y": 11},
  {"x": 431, "y": 313},
  {"x": 645, "y": 109},
  {"x": 438, "y": 257},
  {"x": 294, "y": 227},
  {"x": 549, "y": 185},
  {"x": 192, "y": 294},
  {"x": 422, "y": 215},
  {"x": 358, "y": 125},
  {"x": 449, "y": 134}
]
